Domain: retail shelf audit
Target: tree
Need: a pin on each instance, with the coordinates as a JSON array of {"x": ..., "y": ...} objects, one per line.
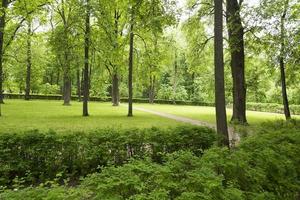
[
  {"x": 236, "y": 44},
  {"x": 63, "y": 40},
  {"x": 29, "y": 62},
  {"x": 22, "y": 9},
  {"x": 221, "y": 117},
  {"x": 130, "y": 65},
  {"x": 287, "y": 112},
  {"x": 149, "y": 15},
  {"x": 4, "y": 6},
  {"x": 86, "y": 86},
  {"x": 112, "y": 19},
  {"x": 279, "y": 30}
]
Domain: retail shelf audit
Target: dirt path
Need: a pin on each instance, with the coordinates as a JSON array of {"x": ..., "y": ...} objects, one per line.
[{"x": 233, "y": 136}]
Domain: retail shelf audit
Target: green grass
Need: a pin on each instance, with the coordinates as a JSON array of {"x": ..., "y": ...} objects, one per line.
[
  {"x": 207, "y": 114},
  {"x": 20, "y": 115}
]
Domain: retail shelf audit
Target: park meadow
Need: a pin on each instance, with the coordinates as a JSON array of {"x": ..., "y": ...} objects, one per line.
[{"x": 149, "y": 100}]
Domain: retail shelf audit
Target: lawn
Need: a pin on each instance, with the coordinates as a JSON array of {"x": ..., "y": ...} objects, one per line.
[
  {"x": 20, "y": 115},
  {"x": 207, "y": 114}
]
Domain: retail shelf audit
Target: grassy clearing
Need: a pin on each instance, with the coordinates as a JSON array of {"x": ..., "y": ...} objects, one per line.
[
  {"x": 19, "y": 115},
  {"x": 207, "y": 114}
]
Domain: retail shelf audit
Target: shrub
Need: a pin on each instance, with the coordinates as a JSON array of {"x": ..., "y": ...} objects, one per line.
[
  {"x": 35, "y": 157},
  {"x": 272, "y": 107},
  {"x": 264, "y": 166},
  {"x": 49, "y": 89},
  {"x": 166, "y": 92}
]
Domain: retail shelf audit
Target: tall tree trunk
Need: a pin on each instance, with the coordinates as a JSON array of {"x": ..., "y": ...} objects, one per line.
[
  {"x": 115, "y": 76},
  {"x": 115, "y": 89},
  {"x": 67, "y": 81},
  {"x": 51, "y": 78},
  {"x": 130, "y": 71},
  {"x": 287, "y": 112},
  {"x": 2, "y": 27},
  {"x": 29, "y": 63},
  {"x": 175, "y": 78},
  {"x": 78, "y": 73},
  {"x": 86, "y": 61},
  {"x": 58, "y": 77},
  {"x": 236, "y": 43},
  {"x": 90, "y": 76},
  {"x": 152, "y": 89},
  {"x": 221, "y": 117}
]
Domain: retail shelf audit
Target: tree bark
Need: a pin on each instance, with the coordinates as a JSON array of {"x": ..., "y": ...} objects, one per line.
[
  {"x": 236, "y": 44},
  {"x": 152, "y": 89},
  {"x": 78, "y": 73},
  {"x": 115, "y": 76},
  {"x": 86, "y": 61},
  {"x": 221, "y": 117},
  {"x": 2, "y": 27},
  {"x": 67, "y": 81},
  {"x": 287, "y": 112},
  {"x": 115, "y": 89},
  {"x": 285, "y": 100},
  {"x": 130, "y": 71},
  {"x": 175, "y": 78},
  {"x": 29, "y": 63},
  {"x": 58, "y": 77}
]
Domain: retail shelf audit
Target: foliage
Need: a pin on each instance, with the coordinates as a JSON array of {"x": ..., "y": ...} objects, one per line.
[
  {"x": 264, "y": 166},
  {"x": 166, "y": 92},
  {"x": 272, "y": 107},
  {"x": 49, "y": 89},
  {"x": 36, "y": 157}
]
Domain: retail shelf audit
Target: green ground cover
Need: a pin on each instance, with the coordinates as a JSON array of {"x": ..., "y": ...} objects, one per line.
[
  {"x": 264, "y": 166},
  {"x": 19, "y": 115},
  {"x": 207, "y": 114}
]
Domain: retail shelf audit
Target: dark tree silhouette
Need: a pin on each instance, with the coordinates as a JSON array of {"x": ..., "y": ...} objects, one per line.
[{"x": 221, "y": 117}]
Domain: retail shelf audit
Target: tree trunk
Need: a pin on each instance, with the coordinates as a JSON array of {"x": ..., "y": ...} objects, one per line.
[
  {"x": 130, "y": 71},
  {"x": 287, "y": 112},
  {"x": 86, "y": 61},
  {"x": 236, "y": 44},
  {"x": 152, "y": 89},
  {"x": 78, "y": 73},
  {"x": 67, "y": 82},
  {"x": 115, "y": 93},
  {"x": 175, "y": 78},
  {"x": 115, "y": 89},
  {"x": 90, "y": 76},
  {"x": 29, "y": 63},
  {"x": 58, "y": 77},
  {"x": 221, "y": 117},
  {"x": 2, "y": 27}
]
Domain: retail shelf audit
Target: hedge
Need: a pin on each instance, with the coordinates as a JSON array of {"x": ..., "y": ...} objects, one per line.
[
  {"x": 51, "y": 97},
  {"x": 264, "y": 166},
  {"x": 36, "y": 157},
  {"x": 261, "y": 107},
  {"x": 272, "y": 107},
  {"x": 106, "y": 99}
]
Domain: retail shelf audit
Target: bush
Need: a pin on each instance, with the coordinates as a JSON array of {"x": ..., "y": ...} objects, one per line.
[
  {"x": 35, "y": 157},
  {"x": 272, "y": 107},
  {"x": 265, "y": 166},
  {"x": 49, "y": 89},
  {"x": 166, "y": 92}
]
